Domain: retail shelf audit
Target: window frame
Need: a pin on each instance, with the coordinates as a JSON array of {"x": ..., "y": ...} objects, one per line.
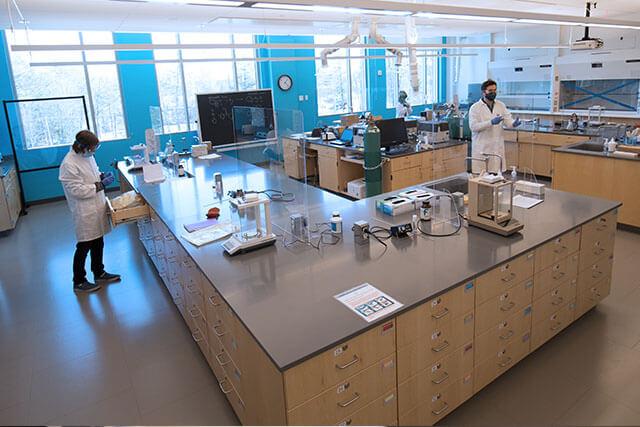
[
  {"x": 423, "y": 77},
  {"x": 366, "y": 91},
  {"x": 84, "y": 63},
  {"x": 180, "y": 60}
]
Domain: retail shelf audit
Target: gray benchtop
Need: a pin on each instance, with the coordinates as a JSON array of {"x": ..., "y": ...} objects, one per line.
[
  {"x": 573, "y": 149},
  {"x": 588, "y": 131},
  {"x": 285, "y": 295}
]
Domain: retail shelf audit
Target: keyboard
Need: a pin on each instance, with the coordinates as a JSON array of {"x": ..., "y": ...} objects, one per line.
[{"x": 401, "y": 149}]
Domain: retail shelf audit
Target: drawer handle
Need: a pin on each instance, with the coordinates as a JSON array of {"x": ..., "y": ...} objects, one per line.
[
  {"x": 220, "y": 361},
  {"x": 222, "y": 388},
  {"x": 558, "y": 301},
  {"x": 505, "y": 363},
  {"x": 509, "y": 278},
  {"x": 556, "y": 326},
  {"x": 440, "y": 315},
  {"x": 353, "y": 361},
  {"x": 168, "y": 238},
  {"x": 348, "y": 422},
  {"x": 559, "y": 275},
  {"x": 193, "y": 335},
  {"x": 177, "y": 299},
  {"x": 560, "y": 249},
  {"x": 194, "y": 316},
  {"x": 441, "y": 380},
  {"x": 596, "y": 274},
  {"x": 598, "y": 251},
  {"x": 444, "y": 345},
  {"x": 508, "y": 306},
  {"x": 355, "y": 397},
  {"x": 191, "y": 289},
  {"x": 507, "y": 335},
  {"x": 595, "y": 292},
  {"x": 212, "y": 302},
  {"x": 444, "y": 408},
  {"x": 215, "y": 330}
]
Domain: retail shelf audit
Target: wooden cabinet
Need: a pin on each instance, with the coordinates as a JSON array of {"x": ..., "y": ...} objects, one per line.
[
  {"x": 534, "y": 158},
  {"x": 626, "y": 175},
  {"x": 299, "y": 162},
  {"x": 532, "y": 151},
  {"x": 328, "y": 161},
  {"x": 10, "y": 205},
  {"x": 501, "y": 278},
  {"x": 511, "y": 154}
]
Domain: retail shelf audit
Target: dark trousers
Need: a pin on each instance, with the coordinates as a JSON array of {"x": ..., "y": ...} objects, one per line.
[{"x": 96, "y": 247}]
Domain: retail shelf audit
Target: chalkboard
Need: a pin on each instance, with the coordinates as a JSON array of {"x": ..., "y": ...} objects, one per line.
[{"x": 215, "y": 113}]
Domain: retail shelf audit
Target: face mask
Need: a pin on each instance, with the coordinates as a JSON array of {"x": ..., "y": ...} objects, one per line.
[
  {"x": 88, "y": 153},
  {"x": 490, "y": 96}
]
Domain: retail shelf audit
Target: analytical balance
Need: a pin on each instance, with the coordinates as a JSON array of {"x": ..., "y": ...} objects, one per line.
[
  {"x": 261, "y": 236},
  {"x": 491, "y": 204}
]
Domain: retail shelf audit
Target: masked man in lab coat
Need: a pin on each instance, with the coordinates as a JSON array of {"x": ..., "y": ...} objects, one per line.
[
  {"x": 84, "y": 186},
  {"x": 486, "y": 118},
  {"x": 403, "y": 108}
]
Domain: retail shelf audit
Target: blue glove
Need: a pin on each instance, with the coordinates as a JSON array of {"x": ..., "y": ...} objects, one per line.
[
  {"x": 496, "y": 120},
  {"x": 107, "y": 178},
  {"x": 517, "y": 122}
]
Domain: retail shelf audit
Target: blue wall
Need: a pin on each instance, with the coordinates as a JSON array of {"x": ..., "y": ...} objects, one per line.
[{"x": 139, "y": 92}]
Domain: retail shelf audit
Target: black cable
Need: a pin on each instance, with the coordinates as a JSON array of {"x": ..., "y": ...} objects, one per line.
[
  {"x": 277, "y": 196},
  {"x": 374, "y": 231}
]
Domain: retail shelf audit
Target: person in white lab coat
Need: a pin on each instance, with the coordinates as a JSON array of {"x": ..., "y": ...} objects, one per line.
[
  {"x": 84, "y": 186},
  {"x": 403, "y": 108},
  {"x": 486, "y": 118}
]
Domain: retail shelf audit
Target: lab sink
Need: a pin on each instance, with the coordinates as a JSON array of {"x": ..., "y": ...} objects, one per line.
[
  {"x": 451, "y": 184},
  {"x": 587, "y": 146}
]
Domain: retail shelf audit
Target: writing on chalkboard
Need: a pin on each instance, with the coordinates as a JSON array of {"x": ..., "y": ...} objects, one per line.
[{"x": 216, "y": 113}]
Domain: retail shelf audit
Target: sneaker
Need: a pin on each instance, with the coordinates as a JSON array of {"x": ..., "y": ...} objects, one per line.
[
  {"x": 107, "y": 278},
  {"x": 86, "y": 287}
]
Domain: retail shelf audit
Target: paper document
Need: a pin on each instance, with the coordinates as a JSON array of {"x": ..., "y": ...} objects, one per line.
[
  {"x": 368, "y": 302},
  {"x": 211, "y": 156},
  {"x": 525, "y": 202},
  {"x": 209, "y": 234}
]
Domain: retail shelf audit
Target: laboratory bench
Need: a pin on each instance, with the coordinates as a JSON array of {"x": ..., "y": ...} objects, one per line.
[
  {"x": 586, "y": 169},
  {"x": 10, "y": 203},
  {"x": 529, "y": 147},
  {"x": 285, "y": 351},
  {"x": 336, "y": 165}
]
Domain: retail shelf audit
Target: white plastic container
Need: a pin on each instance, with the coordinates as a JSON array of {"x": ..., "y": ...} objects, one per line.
[{"x": 336, "y": 223}]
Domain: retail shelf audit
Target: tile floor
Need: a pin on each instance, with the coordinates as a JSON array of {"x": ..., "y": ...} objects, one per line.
[{"x": 124, "y": 356}]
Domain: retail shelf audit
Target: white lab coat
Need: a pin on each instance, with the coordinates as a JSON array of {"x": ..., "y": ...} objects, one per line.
[
  {"x": 486, "y": 137},
  {"x": 78, "y": 176},
  {"x": 403, "y": 110}
]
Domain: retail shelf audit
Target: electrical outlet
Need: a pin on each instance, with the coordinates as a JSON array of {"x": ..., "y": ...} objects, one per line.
[
  {"x": 306, "y": 97},
  {"x": 300, "y": 98},
  {"x": 379, "y": 73}
]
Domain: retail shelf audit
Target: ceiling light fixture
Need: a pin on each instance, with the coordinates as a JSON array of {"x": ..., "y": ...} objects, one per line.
[
  {"x": 329, "y": 9},
  {"x": 228, "y": 3},
  {"x": 431, "y": 15}
]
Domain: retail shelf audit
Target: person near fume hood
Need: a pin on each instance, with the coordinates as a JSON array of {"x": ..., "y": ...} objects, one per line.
[
  {"x": 84, "y": 186},
  {"x": 486, "y": 118},
  {"x": 403, "y": 108}
]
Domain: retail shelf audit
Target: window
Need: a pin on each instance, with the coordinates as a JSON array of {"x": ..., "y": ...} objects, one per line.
[
  {"x": 184, "y": 73},
  {"x": 341, "y": 85},
  {"x": 399, "y": 78},
  {"x": 67, "y": 73}
]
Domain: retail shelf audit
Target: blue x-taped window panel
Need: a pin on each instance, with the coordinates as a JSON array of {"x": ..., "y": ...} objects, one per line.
[{"x": 613, "y": 94}]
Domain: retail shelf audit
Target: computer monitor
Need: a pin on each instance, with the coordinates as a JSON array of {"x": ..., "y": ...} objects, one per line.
[{"x": 392, "y": 132}]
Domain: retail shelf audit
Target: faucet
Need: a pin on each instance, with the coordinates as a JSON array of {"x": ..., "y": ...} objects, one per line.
[{"x": 484, "y": 159}]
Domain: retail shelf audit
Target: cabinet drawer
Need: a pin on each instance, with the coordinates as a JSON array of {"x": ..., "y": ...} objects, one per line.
[
  {"x": 599, "y": 228},
  {"x": 194, "y": 311},
  {"x": 234, "y": 399},
  {"x": 595, "y": 248},
  {"x": 440, "y": 343},
  {"x": 215, "y": 348},
  {"x": 383, "y": 411},
  {"x": 500, "y": 307},
  {"x": 442, "y": 154},
  {"x": 346, "y": 397},
  {"x": 496, "y": 281},
  {"x": 562, "y": 271},
  {"x": 315, "y": 375},
  {"x": 558, "y": 249},
  {"x": 501, "y": 361},
  {"x": 589, "y": 298},
  {"x": 326, "y": 152},
  {"x": 406, "y": 162},
  {"x": 435, "y": 378},
  {"x": 212, "y": 304},
  {"x": 595, "y": 273},
  {"x": 551, "y": 325},
  {"x": 440, "y": 404},
  {"x": 121, "y": 216},
  {"x": 422, "y": 320},
  {"x": 550, "y": 302},
  {"x": 502, "y": 334}
]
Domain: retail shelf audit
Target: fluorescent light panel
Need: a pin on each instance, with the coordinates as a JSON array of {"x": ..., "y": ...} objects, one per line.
[
  {"x": 229, "y": 3},
  {"x": 462, "y": 17},
  {"x": 330, "y": 9}
]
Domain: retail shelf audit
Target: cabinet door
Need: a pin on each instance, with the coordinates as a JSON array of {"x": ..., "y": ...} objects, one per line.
[
  {"x": 536, "y": 158},
  {"x": 627, "y": 175},
  {"x": 328, "y": 169},
  {"x": 589, "y": 175}
]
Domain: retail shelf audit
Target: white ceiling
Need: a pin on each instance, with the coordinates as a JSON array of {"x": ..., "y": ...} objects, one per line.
[{"x": 128, "y": 15}]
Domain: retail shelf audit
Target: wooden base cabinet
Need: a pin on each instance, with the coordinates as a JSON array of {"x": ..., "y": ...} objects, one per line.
[{"x": 414, "y": 369}]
